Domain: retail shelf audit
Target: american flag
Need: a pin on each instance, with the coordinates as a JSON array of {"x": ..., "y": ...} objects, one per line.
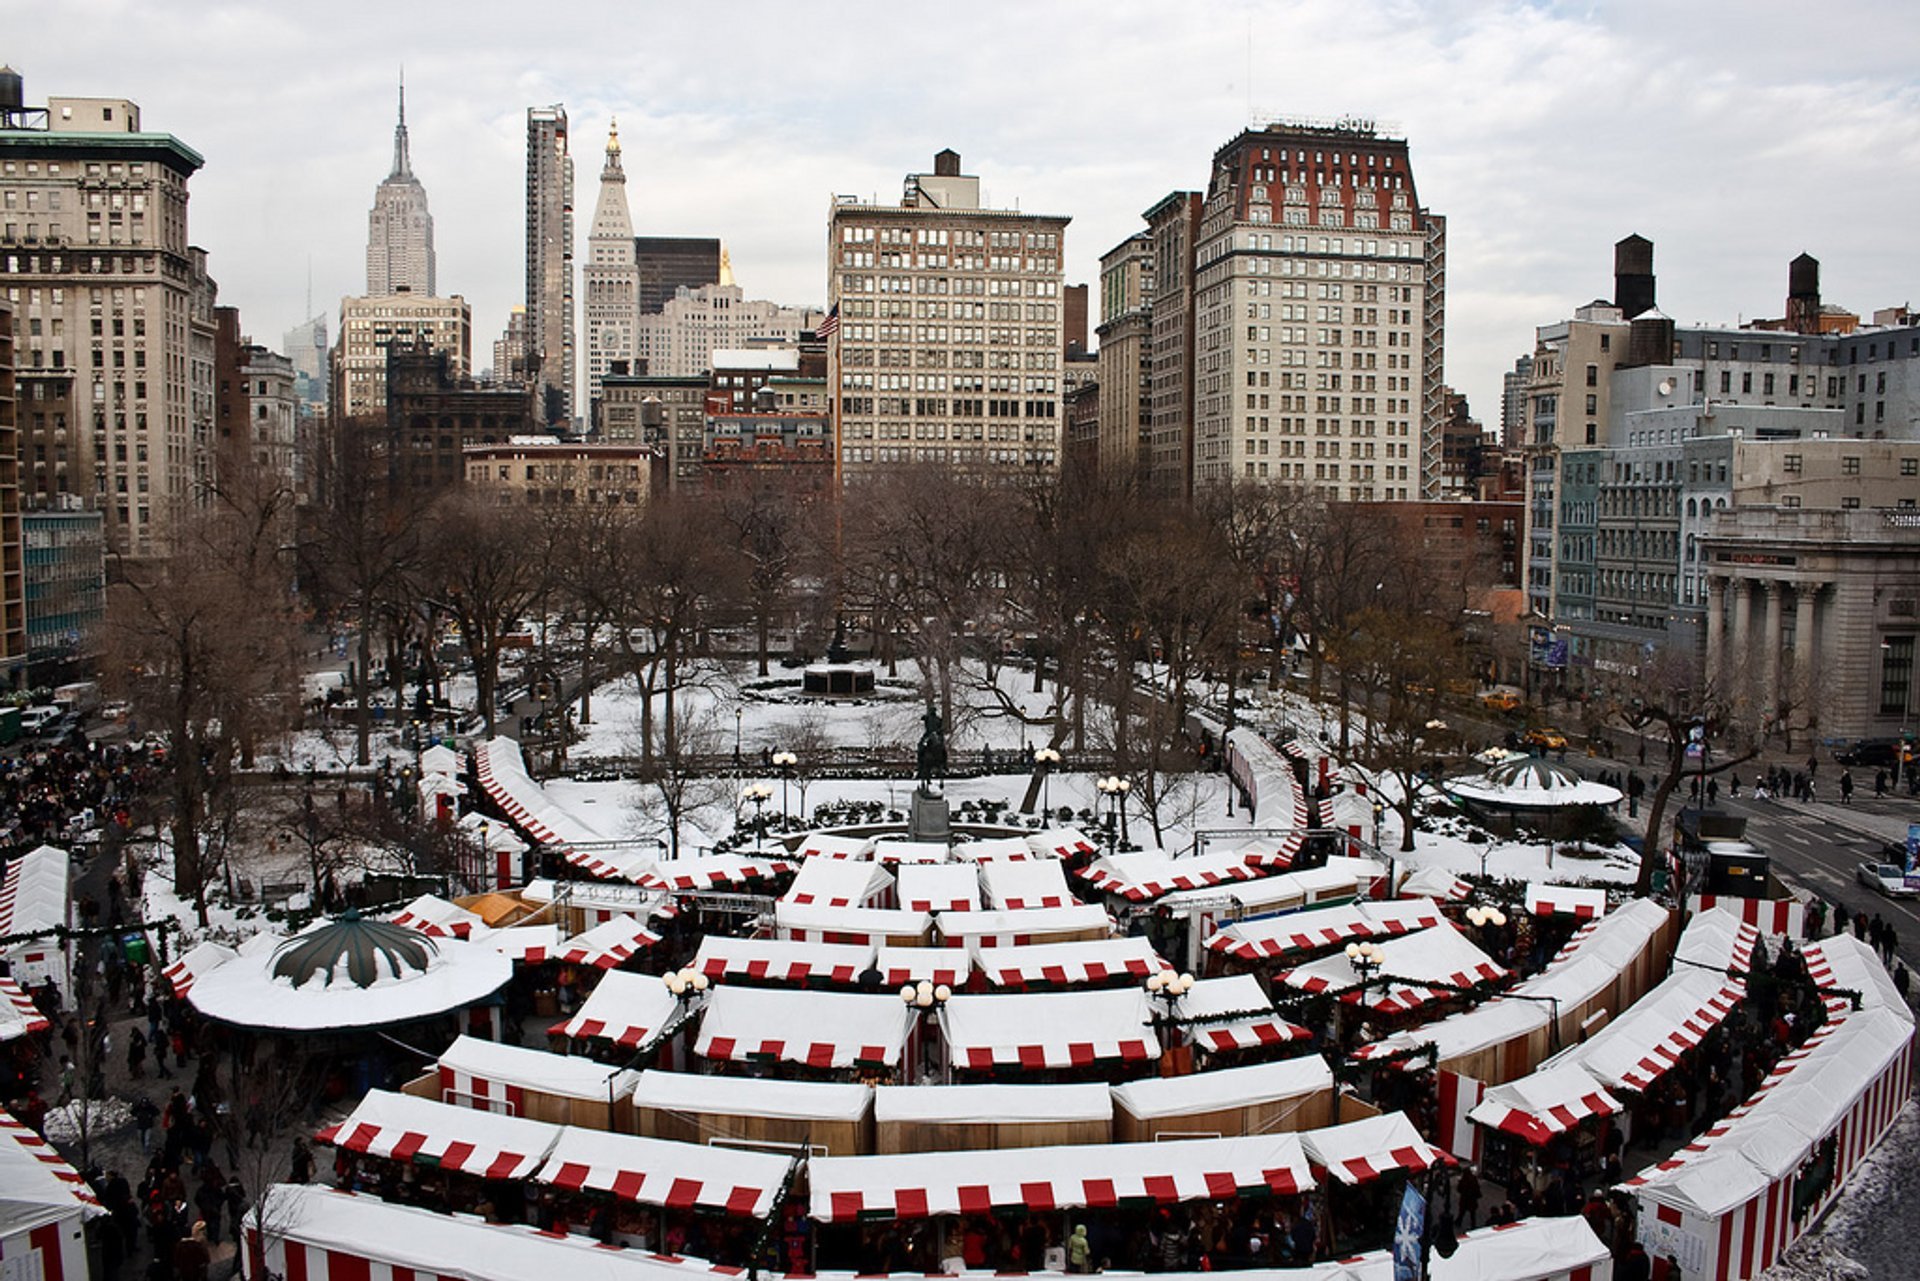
[{"x": 830, "y": 326}]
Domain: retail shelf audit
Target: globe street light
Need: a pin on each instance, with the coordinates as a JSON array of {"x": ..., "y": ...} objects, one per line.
[
  {"x": 758, "y": 794},
  {"x": 1115, "y": 789},
  {"x": 1046, "y": 758},
  {"x": 786, "y": 761}
]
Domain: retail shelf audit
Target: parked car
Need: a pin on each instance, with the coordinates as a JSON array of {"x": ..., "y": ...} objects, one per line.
[
  {"x": 1500, "y": 700},
  {"x": 1889, "y": 879},
  {"x": 1871, "y": 753},
  {"x": 1547, "y": 737}
]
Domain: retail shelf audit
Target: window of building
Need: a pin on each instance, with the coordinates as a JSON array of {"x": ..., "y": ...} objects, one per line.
[
  {"x": 1790, "y": 463},
  {"x": 1910, "y": 466},
  {"x": 1850, "y": 465},
  {"x": 1851, "y": 502},
  {"x": 1896, "y": 674}
]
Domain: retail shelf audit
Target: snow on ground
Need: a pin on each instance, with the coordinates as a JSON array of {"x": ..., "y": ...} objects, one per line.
[
  {"x": 1866, "y": 1234},
  {"x": 101, "y": 1116},
  {"x": 330, "y": 750}
]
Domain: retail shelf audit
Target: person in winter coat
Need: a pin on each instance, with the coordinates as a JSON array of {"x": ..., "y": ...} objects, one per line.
[{"x": 1079, "y": 1250}]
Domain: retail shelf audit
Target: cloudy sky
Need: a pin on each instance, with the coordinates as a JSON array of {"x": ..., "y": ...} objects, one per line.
[{"x": 1734, "y": 135}]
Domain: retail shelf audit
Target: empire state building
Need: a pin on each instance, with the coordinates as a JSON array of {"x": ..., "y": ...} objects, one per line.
[{"x": 399, "y": 229}]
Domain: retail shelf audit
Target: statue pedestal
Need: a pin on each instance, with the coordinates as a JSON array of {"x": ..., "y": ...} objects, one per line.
[{"x": 927, "y": 816}]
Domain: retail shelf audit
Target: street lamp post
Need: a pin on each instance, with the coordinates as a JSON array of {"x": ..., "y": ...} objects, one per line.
[
  {"x": 925, "y": 998},
  {"x": 1046, "y": 758},
  {"x": 738, "y": 711},
  {"x": 1169, "y": 987},
  {"x": 786, "y": 761},
  {"x": 758, "y": 794},
  {"x": 1115, "y": 789}
]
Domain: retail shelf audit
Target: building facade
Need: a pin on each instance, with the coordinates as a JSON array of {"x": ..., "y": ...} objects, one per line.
[
  {"x": 610, "y": 278},
  {"x": 94, "y": 250},
  {"x": 13, "y": 590},
  {"x": 400, "y": 227},
  {"x": 680, "y": 340},
  {"x": 369, "y": 326},
  {"x": 1126, "y": 366},
  {"x": 1173, "y": 229},
  {"x": 949, "y": 343},
  {"x": 434, "y": 414},
  {"x": 65, "y": 577},
  {"x": 550, "y": 355},
  {"x": 669, "y": 414},
  {"x": 306, "y": 346},
  {"x": 1319, "y": 306},
  {"x": 667, "y": 264},
  {"x": 541, "y": 471}
]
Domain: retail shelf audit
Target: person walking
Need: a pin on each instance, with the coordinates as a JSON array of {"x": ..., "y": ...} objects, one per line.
[
  {"x": 1713, "y": 791},
  {"x": 136, "y": 1053},
  {"x": 1846, "y": 787}
]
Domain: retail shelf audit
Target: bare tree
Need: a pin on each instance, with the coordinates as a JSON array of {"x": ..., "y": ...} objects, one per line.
[
  {"x": 766, "y": 517},
  {"x": 1403, "y": 659},
  {"x": 485, "y": 564}
]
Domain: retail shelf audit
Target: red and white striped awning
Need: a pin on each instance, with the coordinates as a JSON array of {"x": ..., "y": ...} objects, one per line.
[
  {"x": 1364, "y": 1150},
  {"x": 1025, "y": 885},
  {"x": 827, "y": 845},
  {"x": 839, "y": 882},
  {"x": 1061, "y": 842},
  {"x": 19, "y": 1016},
  {"x": 32, "y": 1160},
  {"x": 1203, "y": 1014},
  {"x": 611, "y": 865},
  {"x": 1436, "y": 882},
  {"x": 1441, "y": 955},
  {"x": 938, "y": 887},
  {"x": 435, "y": 916},
  {"x": 1038, "y": 1180},
  {"x": 528, "y": 944},
  {"x": 812, "y": 923},
  {"x": 1308, "y": 931},
  {"x": 1389, "y": 917},
  {"x": 997, "y": 847},
  {"x": 1094, "y": 962},
  {"x": 1036, "y": 1030},
  {"x": 1031, "y": 925},
  {"x": 715, "y": 872},
  {"x": 1274, "y": 853},
  {"x": 680, "y": 1176},
  {"x": 495, "y": 1077},
  {"x": 819, "y": 1029},
  {"x": 631, "y": 1010},
  {"x": 1150, "y": 874},
  {"x": 902, "y": 965},
  {"x": 608, "y": 944},
  {"x": 1647, "y": 1040},
  {"x": 1585, "y": 902},
  {"x": 400, "y": 1127},
  {"x": 1545, "y": 1103},
  {"x": 194, "y": 962},
  {"x": 895, "y": 852},
  {"x": 782, "y": 960}
]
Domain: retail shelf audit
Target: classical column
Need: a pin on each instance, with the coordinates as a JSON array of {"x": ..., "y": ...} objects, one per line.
[
  {"x": 1716, "y": 624},
  {"x": 1770, "y": 646},
  {"x": 1734, "y": 667},
  {"x": 1805, "y": 599}
]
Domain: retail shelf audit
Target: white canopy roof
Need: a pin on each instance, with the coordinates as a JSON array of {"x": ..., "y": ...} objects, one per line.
[
  {"x": 1440, "y": 955},
  {"x": 1015, "y": 885},
  {"x": 1150, "y": 874},
  {"x": 1530, "y": 1250},
  {"x": 901, "y": 965},
  {"x": 938, "y": 887},
  {"x": 494, "y": 836},
  {"x": 401, "y": 1127},
  {"x": 1647, "y": 1039},
  {"x": 819, "y": 1029},
  {"x": 530, "y": 944},
  {"x": 18, "y": 1015},
  {"x": 628, "y": 1009},
  {"x": 921, "y": 1184},
  {"x": 1049, "y": 1029},
  {"x": 609, "y": 944},
  {"x": 828, "y": 845},
  {"x": 1544, "y": 1103},
  {"x": 839, "y": 882},
  {"x": 439, "y": 759},
  {"x": 433, "y": 915},
  {"x": 1323, "y": 927},
  {"x": 1536, "y": 786},
  {"x": 1060, "y": 842},
  {"x": 40, "y": 1187},
  {"x": 33, "y": 891},
  {"x": 1360, "y": 1151},
  {"x": 753, "y": 1096},
  {"x": 1843, "y": 961},
  {"x": 195, "y": 961},
  {"x": 891, "y": 849},
  {"x": 661, "y": 1172},
  {"x": 558, "y": 1074},
  {"x": 1718, "y": 939},
  {"x": 1158, "y": 1097},
  {"x": 1029, "y": 925},
  {"x": 782, "y": 960},
  {"x": 1090, "y": 961},
  {"x": 992, "y": 1104},
  {"x": 811, "y": 921},
  {"x": 990, "y": 848},
  {"x": 1436, "y": 882},
  {"x": 715, "y": 872},
  {"x": 503, "y": 776},
  {"x": 1269, "y": 893},
  {"x": 1584, "y": 901},
  {"x": 1204, "y": 1015},
  {"x": 244, "y": 991}
]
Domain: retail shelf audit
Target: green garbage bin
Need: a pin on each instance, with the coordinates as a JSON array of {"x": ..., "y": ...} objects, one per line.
[{"x": 135, "y": 948}]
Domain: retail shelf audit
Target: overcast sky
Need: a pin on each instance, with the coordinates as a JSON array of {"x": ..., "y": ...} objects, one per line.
[{"x": 1733, "y": 135}]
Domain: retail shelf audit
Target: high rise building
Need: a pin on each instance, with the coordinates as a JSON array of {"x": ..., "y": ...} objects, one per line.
[
  {"x": 368, "y": 326},
  {"x": 610, "y": 280},
  {"x": 399, "y": 228},
  {"x": 1126, "y": 350},
  {"x": 510, "y": 348},
  {"x": 668, "y": 264},
  {"x": 1173, "y": 229},
  {"x": 13, "y": 590},
  {"x": 1513, "y": 403},
  {"x": 948, "y": 335},
  {"x": 93, "y": 240},
  {"x": 550, "y": 261},
  {"x": 695, "y": 323},
  {"x": 306, "y": 345},
  {"x": 1319, "y": 305}
]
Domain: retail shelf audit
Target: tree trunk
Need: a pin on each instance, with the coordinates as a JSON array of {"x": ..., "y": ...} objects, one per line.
[
  {"x": 760, "y": 625},
  {"x": 362, "y": 691}
]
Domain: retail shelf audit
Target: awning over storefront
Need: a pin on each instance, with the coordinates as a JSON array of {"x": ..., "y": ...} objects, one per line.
[
  {"x": 715, "y": 872},
  {"x": 1365, "y": 1150},
  {"x": 1214, "y": 1015},
  {"x": 1094, "y": 962},
  {"x": 1586, "y": 902},
  {"x": 1025, "y": 885},
  {"x": 1544, "y": 1103},
  {"x": 631, "y": 1010},
  {"x": 782, "y": 960},
  {"x": 1150, "y": 874},
  {"x": 1049, "y": 1029},
  {"x": 661, "y": 1172},
  {"x": 819, "y": 1029},
  {"x": 609, "y": 944},
  {"x": 400, "y": 1127},
  {"x": 938, "y": 887}
]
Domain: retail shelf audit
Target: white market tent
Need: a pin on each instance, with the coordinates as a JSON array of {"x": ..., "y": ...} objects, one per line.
[
  {"x": 1324, "y": 927},
  {"x": 1645, "y": 1042},
  {"x": 631, "y": 1010},
  {"x": 1151, "y": 874},
  {"x": 503, "y": 776},
  {"x": 1545, "y": 1103},
  {"x": 401, "y": 1127},
  {"x": 1024, "y": 885},
  {"x": 819, "y": 1029},
  {"x": 839, "y": 882},
  {"x": 830, "y": 845},
  {"x": 899, "y": 966},
  {"x": 1717, "y": 939},
  {"x": 938, "y": 887},
  {"x": 438, "y": 918},
  {"x": 1440, "y": 955},
  {"x": 43, "y": 1203},
  {"x": 492, "y": 1077},
  {"x": 1438, "y": 883},
  {"x": 1214, "y": 1015},
  {"x": 1529, "y": 1250},
  {"x": 782, "y": 960},
  {"x": 988, "y": 849},
  {"x": 608, "y": 944},
  {"x": 1030, "y": 925},
  {"x": 19, "y": 1016},
  {"x": 991, "y": 1104},
  {"x": 195, "y": 961},
  {"x": 1292, "y": 1094},
  {"x": 823, "y": 1116},
  {"x": 322, "y": 1234},
  {"x": 440, "y": 760},
  {"x": 662, "y": 1172},
  {"x": 1060, "y": 842},
  {"x": 527, "y": 944},
  {"x": 33, "y": 897},
  {"x": 893, "y": 849},
  {"x": 1586, "y": 902},
  {"x": 814, "y": 923},
  {"x": 1049, "y": 1029},
  {"x": 1092, "y": 962},
  {"x": 715, "y": 872},
  {"x": 1364, "y": 1150},
  {"x": 1038, "y": 1180}
]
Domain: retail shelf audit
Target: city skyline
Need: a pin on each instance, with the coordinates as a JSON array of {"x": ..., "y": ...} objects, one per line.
[{"x": 1544, "y": 135}]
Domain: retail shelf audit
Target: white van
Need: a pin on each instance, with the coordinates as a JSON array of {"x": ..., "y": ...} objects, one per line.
[{"x": 35, "y": 719}]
